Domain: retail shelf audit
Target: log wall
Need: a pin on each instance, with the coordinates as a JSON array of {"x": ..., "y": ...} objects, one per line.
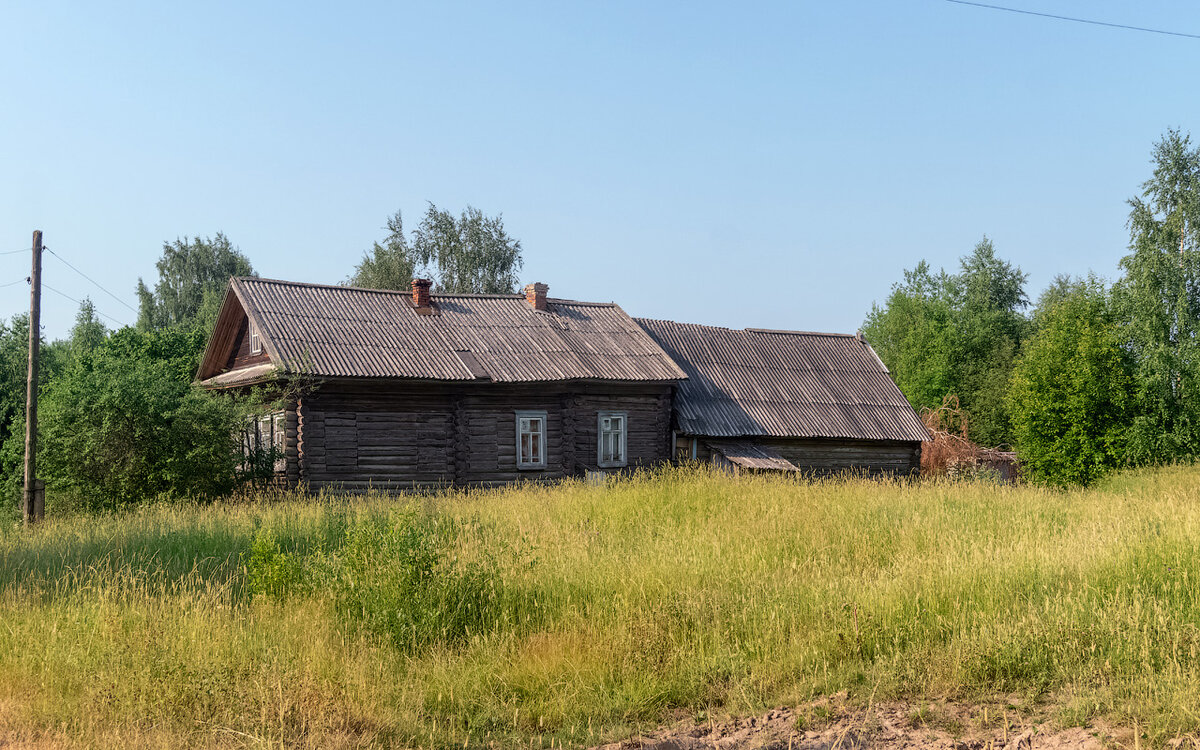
[{"x": 354, "y": 435}]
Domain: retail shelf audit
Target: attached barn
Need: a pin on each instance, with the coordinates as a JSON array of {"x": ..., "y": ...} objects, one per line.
[{"x": 763, "y": 400}]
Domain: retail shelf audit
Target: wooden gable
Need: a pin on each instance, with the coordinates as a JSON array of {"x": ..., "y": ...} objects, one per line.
[{"x": 229, "y": 343}]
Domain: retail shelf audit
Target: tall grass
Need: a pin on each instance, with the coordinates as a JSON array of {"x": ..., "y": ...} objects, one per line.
[{"x": 571, "y": 613}]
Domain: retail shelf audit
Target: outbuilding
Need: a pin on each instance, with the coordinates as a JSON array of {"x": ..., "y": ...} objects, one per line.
[{"x": 765, "y": 400}]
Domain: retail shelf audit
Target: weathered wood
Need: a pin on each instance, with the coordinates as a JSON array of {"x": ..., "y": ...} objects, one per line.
[
  {"x": 32, "y": 512},
  {"x": 354, "y": 434},
  {"x": 240, "y": 356}
]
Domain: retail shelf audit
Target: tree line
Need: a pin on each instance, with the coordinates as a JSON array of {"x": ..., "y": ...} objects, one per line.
[
  {"x": 1092, "y": 377},
  {"x": 121, "y": 419}
]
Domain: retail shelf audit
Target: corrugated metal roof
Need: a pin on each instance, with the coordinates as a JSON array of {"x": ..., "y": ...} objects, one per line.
[
  {"x": 335, "y": 331},
  {"x": 783, "y": 384},
  {"x": 751, "y": 456}
]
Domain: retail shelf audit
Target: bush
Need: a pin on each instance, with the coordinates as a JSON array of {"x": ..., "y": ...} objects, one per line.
[
  {"x": 1071, "y": 390},
  {"x": 125, "y": 423},
  {"x": 396, "y": 577}
]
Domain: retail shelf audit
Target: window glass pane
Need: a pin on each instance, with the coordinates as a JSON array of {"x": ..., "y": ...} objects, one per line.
[
  {"x": 526, "y": 447},
  {"x": 535, "y": 453}
]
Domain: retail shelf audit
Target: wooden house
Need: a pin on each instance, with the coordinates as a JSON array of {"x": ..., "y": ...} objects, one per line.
[
  {"x": 763, "y": 400},
  {"x": 410, "y": 389}
]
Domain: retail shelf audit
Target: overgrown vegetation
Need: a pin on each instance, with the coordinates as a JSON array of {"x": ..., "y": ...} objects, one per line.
[
  {"x": 573, "y": 613},
  {"x": 1095, "y": 377}
]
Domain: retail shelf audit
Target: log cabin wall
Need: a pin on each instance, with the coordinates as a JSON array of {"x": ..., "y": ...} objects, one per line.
[{"x": 353, "y": 435}]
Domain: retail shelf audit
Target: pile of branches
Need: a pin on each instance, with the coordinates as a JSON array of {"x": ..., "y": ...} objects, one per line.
[{"x": 951, "y": 452}]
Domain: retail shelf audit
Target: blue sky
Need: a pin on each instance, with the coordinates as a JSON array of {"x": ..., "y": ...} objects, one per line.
[{"x": 740, "y": 164}]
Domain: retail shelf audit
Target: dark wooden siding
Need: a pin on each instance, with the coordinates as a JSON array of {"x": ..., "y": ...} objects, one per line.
[
  {"x": 396, "y": 435},
  {"x": 240, "y": 355},
  {"x": 822, "y": 457}
]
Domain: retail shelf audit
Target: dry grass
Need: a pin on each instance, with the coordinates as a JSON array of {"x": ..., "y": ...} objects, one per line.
[{"x": 616, "y": 607}]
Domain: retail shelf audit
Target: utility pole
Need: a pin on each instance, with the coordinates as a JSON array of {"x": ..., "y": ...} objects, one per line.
[{"x": 34, "y": 505}]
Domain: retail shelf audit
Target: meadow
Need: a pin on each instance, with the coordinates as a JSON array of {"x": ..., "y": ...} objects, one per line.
[{"x": 575, "y": 614}]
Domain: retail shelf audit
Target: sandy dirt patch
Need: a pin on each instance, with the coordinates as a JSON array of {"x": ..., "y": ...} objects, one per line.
[{"x": 833, "y": 725}]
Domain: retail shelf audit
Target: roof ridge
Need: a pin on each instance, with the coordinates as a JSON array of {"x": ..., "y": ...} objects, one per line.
[
  {"x": 779, "y": 331},
  {"x": 785, "y": 332},
  {"x": 405, "y": 293}
]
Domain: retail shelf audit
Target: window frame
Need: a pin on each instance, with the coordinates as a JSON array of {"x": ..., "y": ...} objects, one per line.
[
  {"x": 624, "y": 438},
  {"x": 255, "y": 340},
  {"x": 262, "y": 432},
  {"x": 540, "y": 463}
]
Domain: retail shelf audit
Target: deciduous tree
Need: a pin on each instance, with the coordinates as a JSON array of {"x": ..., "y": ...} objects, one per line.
[
  {"x": 192, "y": 276},
  {"x": 1072, "y": 388},
  {"x": 1160, "y": 304}
]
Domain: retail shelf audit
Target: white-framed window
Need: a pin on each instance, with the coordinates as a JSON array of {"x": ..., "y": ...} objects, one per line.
[
  {"x": 612, "y": 427},
  {"x": 267, "y": 432},
  {"x": 531, "y": 440},
  {"x": 255, "y": 341}
]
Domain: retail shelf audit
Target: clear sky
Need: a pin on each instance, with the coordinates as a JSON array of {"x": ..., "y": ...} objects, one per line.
[{"x": 741, "y": 164}]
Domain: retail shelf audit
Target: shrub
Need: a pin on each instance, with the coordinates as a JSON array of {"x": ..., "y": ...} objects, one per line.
[
  {"x": 395, "y": 576},
  {"x": 125, "y": 423},
  {"x": 1071, "y": 390}
]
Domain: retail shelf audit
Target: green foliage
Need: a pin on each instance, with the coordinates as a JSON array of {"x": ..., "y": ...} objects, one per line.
[
  {"x": 395, "y": 576},
  {"x": 464, "y": 255},
  {"x": 914, "y": 334},
  {"x": 192, "y": 277},
  {"x": 957, "y": 334},
  {"x": 1072, "y": 388},
  {"x": 1159, "y": 299},
  {"x": 124, "y": 423},
  {"x": 391, "y": 265},
  {"x": 470, "y": 254},
  {"x": 89, "y": 332}
]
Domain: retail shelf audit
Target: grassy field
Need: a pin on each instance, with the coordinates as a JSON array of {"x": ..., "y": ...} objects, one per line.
[{"x": 572, "y": 614}]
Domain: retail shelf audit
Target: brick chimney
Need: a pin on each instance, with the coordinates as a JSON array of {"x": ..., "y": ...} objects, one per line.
[
  {"x": 420, "y": 289},
  {"x": 535, "y": 295}
]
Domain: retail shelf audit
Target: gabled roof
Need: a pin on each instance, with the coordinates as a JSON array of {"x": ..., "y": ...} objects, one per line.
[
  {"x": 336, "y": 331},
  {"x": 756, "y": 382}
]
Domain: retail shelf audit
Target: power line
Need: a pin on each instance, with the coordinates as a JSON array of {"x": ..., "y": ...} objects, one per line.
[
  {"x": 14, "y": 283},
  {"x": 1076, "y": 20},
  {"x": 72, "y": 299},
  {"x": 89, "y": 278},
  {"x": 14, "y": 252}
]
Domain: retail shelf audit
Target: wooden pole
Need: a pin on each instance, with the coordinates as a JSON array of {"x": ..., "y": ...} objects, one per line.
[{"x": 33, "y": 511}]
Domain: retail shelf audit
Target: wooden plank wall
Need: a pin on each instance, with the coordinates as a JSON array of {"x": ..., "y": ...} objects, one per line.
[
  {"x": 240, "y": 355},
  {"x": 355, "y": 435},
  {"x": 825, "y": 457}
]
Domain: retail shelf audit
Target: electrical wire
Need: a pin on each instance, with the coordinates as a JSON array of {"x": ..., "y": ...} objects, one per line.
[
  {"x": 1076, "y": 20},
  {"x": 22, "y": 250},
  {"x": 14, "y": 283},
  {"x": 72, "y": 299},
  {"x": 89, "y": 278}
]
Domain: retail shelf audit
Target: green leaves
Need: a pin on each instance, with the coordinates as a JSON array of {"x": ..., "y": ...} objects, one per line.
[
  {"x": 1071, "y": 394},
  {"x": 955, "y": 334},
  {"x": 192, "y": 276},
  {"x": 124, "y": 423},
  {"x": 470, "y": 254}
]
